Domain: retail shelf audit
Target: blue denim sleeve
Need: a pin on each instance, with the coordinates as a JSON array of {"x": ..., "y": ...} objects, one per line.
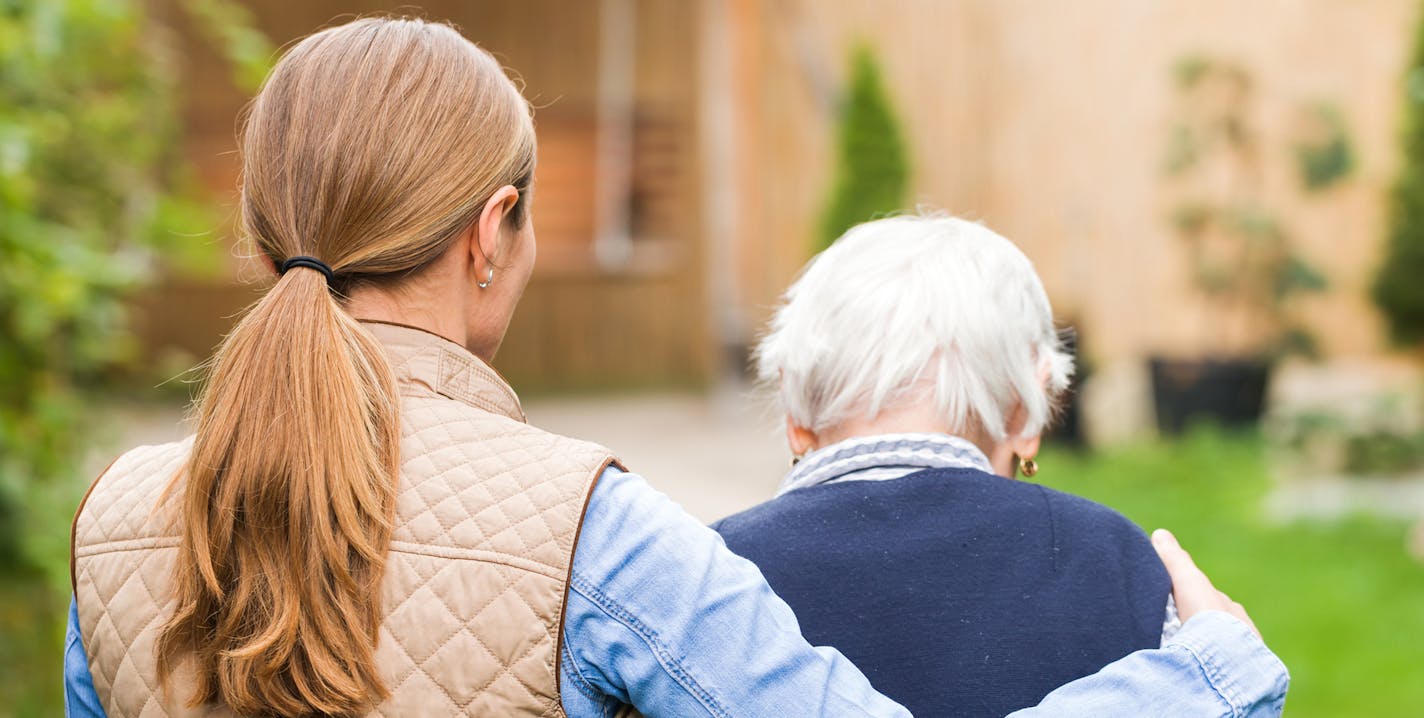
[
  {"x": 662, "y": 616},
  {"x": 1213, "y": 667},
  {"x": 80, "y": 698}
]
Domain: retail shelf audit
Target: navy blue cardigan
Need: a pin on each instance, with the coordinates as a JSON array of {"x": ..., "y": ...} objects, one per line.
[{"x": 959, "y": 593}]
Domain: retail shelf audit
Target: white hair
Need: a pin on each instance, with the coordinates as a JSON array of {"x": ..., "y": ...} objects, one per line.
[{"x": 912, "y": 309}]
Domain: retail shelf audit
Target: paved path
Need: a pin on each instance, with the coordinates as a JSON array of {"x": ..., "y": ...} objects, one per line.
[{"x": 715, "y": 454}]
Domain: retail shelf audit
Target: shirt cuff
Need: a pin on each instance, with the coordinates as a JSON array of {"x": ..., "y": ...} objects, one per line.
[{"x": 1237, "y": 664}]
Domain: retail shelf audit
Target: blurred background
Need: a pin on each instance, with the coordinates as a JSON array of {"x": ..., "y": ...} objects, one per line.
[{"x": 1225, "y": 201}]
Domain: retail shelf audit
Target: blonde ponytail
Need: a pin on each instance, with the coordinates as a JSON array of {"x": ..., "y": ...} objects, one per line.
[
  {"x": 287, "y": 511},
  {"x": 370, "y": 148}
]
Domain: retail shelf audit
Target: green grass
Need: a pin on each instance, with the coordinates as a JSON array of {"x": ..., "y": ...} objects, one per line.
[{"x": 1341, "y": 603}]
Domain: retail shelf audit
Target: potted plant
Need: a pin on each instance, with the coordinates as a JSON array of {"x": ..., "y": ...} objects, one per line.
[
  {"x": 1241, "y": 256},
  {"x": 1069, "y": 430}
]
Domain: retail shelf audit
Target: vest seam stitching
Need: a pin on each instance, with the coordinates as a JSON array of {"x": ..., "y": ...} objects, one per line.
[
  {"x": 591, "y": 483},
  {"x": 453, "y": 553},
  {"x": 74, "y": 525},
  {"x": 465, "y": 394},
  {"x": 121, "y": 546}
]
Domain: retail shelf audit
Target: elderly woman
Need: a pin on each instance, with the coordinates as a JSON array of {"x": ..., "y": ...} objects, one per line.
[{"x": 918, "y": 367}]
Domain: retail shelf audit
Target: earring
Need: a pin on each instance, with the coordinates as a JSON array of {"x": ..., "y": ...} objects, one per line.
[
  {"x": 1028, "y": 467},
  {"x": 796, "y": 459},
  {"x": 488, "y": 280}
]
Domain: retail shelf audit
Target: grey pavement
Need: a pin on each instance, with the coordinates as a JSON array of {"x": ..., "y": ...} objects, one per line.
[{"x": 715, "y": 454}]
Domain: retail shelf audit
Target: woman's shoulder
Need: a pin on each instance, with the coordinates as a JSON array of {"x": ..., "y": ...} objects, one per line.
[
  {"x": 440, "y": 436},
  {"x": 1087, "y": 533},
  {"x": 989, "y": 491},
  {"x": 149, "y": 464},
  {"x": 121, "y": 500},
  {"x": 1085, "y": 515},
  {"x": 1070, "y": 517},
  {"x": 791, "y": 508}
]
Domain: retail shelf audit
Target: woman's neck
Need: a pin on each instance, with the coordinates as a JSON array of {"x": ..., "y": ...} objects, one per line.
[
  {"x": 374, "y": 304},
  {"x": 919, "y": 420}
]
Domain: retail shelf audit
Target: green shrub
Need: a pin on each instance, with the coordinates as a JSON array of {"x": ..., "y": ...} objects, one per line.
[
  {"x": 94, "y": 192},
  {"x": 1397, "y": 288},
  {"x": 872, "y": 172}
]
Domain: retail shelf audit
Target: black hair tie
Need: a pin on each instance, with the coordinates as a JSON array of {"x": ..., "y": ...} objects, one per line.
[{"x": 310, "y": 263}]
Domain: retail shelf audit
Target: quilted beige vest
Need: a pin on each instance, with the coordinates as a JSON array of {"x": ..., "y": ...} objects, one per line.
[{"x": 488, "y": 512}]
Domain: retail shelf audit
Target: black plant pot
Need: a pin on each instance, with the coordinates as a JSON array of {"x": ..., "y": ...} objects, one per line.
[
  {"x": 1228, "y": 392},
  {"x": 1068, "y": 429}
]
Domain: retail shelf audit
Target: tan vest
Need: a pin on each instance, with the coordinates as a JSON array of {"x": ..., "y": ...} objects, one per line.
[{"x": 488, "y": 512}]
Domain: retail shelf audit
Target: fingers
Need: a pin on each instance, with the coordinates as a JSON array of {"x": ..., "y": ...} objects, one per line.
[
  {"x": 1172, "y": 553},
  {"x": 1191, "y": 588},
  {"x": 1236, "y": 609}
]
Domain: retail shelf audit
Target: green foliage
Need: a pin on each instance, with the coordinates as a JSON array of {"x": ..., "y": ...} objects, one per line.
[
  {"x": 31, "y": 646},
  {"x": 230, "y": 25},
  {"x": 1242, "y": 257},
  {"x": 1328, "y": 157},
  {"x": 1398, "y": 290},
  {"x": 1304, "y": 583},
  {"x": 1190, "y": 70},
  {"x": 94, "y": 190},
  {"x": 872, "y": 171},
  {"x": 1380, "y": 441},
  {"x": 95, "y": 201}
]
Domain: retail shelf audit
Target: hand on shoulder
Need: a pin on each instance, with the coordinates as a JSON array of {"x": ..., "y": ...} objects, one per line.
[{"x": 1192, "y": 589}]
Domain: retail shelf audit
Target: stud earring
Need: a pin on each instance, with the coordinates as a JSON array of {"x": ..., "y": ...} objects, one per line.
[
  {"x": 489, "y": 279},
  {"x": 1028, "y": 467}
]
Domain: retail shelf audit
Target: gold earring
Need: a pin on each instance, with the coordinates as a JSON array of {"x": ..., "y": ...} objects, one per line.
[{"x": 1028, "y": 467}]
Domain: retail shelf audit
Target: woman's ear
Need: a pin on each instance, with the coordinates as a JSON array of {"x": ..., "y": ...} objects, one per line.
[
  {"x": 799, "y": 439},
  {"x": 1018, "y": 447},
  {"x": 491, "y": 229},
  {"x": 1026, "y": 447}
]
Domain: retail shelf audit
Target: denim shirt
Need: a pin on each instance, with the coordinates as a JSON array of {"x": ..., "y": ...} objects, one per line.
[{"x": 660, "y": 615}]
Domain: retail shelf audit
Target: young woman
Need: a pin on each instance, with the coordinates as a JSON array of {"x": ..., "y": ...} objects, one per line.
[{"x": 363, "y": 523}]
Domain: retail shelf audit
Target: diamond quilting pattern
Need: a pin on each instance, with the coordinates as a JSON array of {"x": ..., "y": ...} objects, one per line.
[
  {"x": 487, "y": 515},
  {"x": 496, "y": 507}
]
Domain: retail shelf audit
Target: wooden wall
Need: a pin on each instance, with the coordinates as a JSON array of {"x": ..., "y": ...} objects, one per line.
[
  {"x": 1049, "y": 120},
  {"x": 581, "y": 325}
]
